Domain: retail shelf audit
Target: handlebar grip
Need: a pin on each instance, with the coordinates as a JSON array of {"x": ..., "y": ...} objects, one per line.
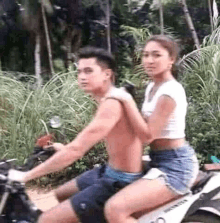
[
  {"x": 49, "y": 149},
  {"x": 36, "y": 156}
]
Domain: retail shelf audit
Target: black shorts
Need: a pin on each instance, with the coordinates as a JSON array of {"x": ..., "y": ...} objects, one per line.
[{"x": 95, "y": 190}]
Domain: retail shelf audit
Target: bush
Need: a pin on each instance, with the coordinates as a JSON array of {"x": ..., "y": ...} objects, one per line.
[
  {"x": 25, "y": 113},
  {"x": 201, "y": 79}
]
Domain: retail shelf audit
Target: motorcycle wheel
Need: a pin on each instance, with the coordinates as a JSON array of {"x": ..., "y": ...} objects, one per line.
[{"x": 202, "y": 217}]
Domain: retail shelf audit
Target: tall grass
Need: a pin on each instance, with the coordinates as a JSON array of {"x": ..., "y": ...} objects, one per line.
[{"x": 25, "y": 112}]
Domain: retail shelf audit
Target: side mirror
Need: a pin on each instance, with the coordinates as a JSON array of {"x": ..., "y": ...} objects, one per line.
[{"x": 55, "y": 122}]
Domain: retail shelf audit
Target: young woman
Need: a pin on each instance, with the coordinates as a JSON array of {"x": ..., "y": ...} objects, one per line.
[{"x": 173, "y": 166}]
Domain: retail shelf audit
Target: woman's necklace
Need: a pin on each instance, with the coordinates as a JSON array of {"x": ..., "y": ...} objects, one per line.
[{"x": 153, "y": 92}]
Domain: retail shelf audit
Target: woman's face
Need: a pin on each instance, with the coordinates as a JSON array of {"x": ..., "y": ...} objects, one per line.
[{"x": 156, "y": 59}]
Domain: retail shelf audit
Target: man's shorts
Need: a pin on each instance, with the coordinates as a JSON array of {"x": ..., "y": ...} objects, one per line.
[{"x": 96, "y": 187}]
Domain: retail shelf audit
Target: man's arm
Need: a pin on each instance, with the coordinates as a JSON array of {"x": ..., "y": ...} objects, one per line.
[{"x": 108, "y": 115}]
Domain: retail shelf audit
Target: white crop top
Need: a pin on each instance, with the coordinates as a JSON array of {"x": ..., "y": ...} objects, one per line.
[{"x": 175, "y": 128}]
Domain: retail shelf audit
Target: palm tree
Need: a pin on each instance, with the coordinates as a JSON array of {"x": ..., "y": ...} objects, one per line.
[
  {"x": 210, "y": 15},
  {"x": 190, "y": 23},
  {"x": 32, "y": 15},
  {"x": 30, "y": 21},
  {"x": 215, "y": 14},
  {"x": 158, "y": 4},
  {"x": 201, "y": 79},
  {"x": 72, "y": 40},
  {"x": 37, "y": 57},
  {"x": 46, "y": 4},
  {"x": 105, "y": 6},
  {"x": 161, "y": 17}
]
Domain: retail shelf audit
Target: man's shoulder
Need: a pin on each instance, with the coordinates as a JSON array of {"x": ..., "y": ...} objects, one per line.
[
  {"x": 108, "y": 102},
  {"x": 111, "y": 106}
]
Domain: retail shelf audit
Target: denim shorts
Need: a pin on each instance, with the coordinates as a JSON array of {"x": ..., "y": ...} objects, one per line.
[
  {"x": 178, "y": 168},
  {"x": 96, "y": 187}
]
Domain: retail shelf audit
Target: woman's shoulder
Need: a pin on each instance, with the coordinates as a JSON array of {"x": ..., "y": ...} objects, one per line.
[
  {"x": 173, "y": 89},
  {"x": 173, "y": 85}
]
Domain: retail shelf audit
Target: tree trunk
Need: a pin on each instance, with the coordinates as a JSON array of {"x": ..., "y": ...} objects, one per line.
[
  {"x": 161, "y": 18},
  {"x": 47, "y": 39},
  {"x": 210, "y": 15},
  {"x": 190, "y": 24},
  {"x": 215, "y": 14},
  {"x": 38, "y": 61},
  {"x": 108, "y": 28},
  {"x": 0, "y": 66},
  {"x": 68, "y": 44},
  {"x": 105, "y": 6}
]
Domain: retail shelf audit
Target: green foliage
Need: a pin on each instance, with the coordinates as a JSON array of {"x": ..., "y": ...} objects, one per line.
[
  {"x": 201, "y": 78},
  {"x": 25, "y": 113},
  {"x": 133, "y": 70},
  {"x": 88, "y": 3},
  {"x": 139, "y": 36}
]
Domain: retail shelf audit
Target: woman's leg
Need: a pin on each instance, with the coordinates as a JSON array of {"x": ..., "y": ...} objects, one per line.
[
  {"x": 140, "y": 195},
  {"x": 62, "y": 213}
]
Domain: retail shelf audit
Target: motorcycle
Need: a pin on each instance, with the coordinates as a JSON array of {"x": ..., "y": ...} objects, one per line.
[
  {"x": 200, "y": 205},
  {"x": 15, "y": 205}
]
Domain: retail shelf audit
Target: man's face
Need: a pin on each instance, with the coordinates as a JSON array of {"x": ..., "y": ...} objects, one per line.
[{"x": 91, "y": 76}]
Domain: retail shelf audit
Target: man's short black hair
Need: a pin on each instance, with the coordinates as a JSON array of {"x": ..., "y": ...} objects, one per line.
[{"x": 102, "y": 56}]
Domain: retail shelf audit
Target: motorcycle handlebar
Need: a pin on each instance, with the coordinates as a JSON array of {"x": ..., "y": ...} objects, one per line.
[
  {"x": 35, "y": 157},
  {"x": 3, "y": 177}
]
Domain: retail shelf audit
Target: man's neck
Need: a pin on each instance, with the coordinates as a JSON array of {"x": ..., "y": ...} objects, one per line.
[{"x": 99, "y": 95}]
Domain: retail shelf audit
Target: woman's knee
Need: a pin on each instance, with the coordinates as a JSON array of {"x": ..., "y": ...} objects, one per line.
[
  {"x": 61, "y": 194},
  {"x": 109, "y": 209},
  {"x": 44, "y": 218},
  {"x": 58, "y": 194}
]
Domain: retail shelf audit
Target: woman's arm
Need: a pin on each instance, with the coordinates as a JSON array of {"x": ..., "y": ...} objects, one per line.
[
  {"x": 139, "y": 125},
  {"x": 156, "y": 122}
]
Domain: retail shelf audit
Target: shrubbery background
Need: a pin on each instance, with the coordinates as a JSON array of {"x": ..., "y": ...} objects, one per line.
[
  {"x": 25, "y": 114},
  {"x": 25, "y": 111}
]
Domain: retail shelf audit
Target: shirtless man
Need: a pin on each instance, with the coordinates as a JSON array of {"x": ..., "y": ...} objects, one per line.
[{"x": 82, "y": 199}]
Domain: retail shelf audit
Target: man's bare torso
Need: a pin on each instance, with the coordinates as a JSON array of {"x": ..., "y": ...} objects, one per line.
[{"x": 124, "y": 147}]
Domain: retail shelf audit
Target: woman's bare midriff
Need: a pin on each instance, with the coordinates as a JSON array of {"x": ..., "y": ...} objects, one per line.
[{"x": 161, "y": 144}]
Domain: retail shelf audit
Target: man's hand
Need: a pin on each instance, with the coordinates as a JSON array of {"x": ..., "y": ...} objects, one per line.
[
  {"x": 15, "y": 175},
  {"x": 120, "y": 94},
  {"x": 56, "y": 146}
]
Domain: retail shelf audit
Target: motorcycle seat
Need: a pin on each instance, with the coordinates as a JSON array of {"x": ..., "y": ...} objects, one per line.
[
  {"x": 201, "y": 180},
  {"x": 211, "y": 167}
]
